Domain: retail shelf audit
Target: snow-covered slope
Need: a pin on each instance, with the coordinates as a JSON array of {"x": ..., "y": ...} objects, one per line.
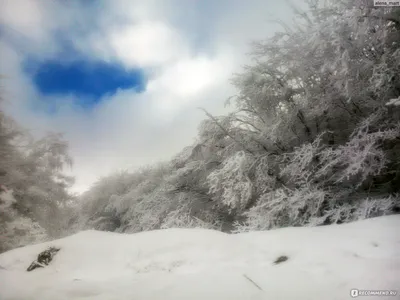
[{"x": 324, "y": 263}]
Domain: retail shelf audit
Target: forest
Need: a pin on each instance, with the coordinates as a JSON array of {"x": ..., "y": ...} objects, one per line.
[{"x": 313, "y": 138}]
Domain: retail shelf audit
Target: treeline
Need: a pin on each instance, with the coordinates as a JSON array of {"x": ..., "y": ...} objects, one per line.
[
  {"x": 34, "y": 202},
  {"x": 315, "y": 138}
]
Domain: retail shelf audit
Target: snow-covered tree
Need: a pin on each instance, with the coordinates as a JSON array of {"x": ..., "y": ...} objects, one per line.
[
  {"x": 32, "y": 172},
  {"x": 313, "y": 139},
  {"x": 16, "y": 230}
]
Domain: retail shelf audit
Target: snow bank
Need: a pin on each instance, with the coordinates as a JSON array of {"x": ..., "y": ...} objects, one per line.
[{"x": 173, "y": 264}]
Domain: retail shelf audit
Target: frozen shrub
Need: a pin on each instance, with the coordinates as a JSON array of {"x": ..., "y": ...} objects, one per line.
[
  {"x": 231, "y": 182},
  {"x": 284, "y": 207},
  {"x": 361, "y": 157}
]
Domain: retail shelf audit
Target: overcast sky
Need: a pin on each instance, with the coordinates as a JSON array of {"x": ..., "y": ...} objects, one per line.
[{"x": 123, "y": 78}]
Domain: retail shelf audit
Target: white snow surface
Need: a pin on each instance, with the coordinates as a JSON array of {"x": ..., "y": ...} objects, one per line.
[{"x": 324, "y": 263}]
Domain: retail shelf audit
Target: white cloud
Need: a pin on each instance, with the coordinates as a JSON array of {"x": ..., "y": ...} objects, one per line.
[
  {"x": 22, "y": 15},
  {"x": 147, "y": 43},
  {"x": 192, "y": 48},
  {"x": 187, "y": 82},
  {"x": 188, "y": 77}
]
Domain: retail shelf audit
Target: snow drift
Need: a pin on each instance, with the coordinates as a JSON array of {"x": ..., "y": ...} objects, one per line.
[{"x": 323, "y": 263}]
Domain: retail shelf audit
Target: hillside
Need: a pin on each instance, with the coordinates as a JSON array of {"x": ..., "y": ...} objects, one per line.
[{"x": 323, "y": 263}]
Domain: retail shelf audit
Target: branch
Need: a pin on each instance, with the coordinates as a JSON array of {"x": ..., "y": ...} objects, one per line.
[
  {"x": 226, "y": 131},
  {"x": 247, "y": 123},
  {"x": 392, "y": 17},
  {"x": 255, "y": 284}
]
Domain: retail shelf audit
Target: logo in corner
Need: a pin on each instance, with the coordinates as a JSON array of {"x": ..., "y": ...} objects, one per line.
[{"x": 354, "y": 293}]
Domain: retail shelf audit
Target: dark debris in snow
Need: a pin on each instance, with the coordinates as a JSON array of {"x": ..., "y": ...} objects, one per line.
[
  {"x": 281, "y": 259},
  {"x": 44, "y": 258}
]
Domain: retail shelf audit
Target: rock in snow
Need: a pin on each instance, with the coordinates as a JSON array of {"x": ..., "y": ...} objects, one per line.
[{"x": 320, "y": 263}]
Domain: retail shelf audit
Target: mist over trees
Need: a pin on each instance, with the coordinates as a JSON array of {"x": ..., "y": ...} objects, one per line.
[
  {"x": 314, "y": 139},
  {"x": 34, "y": 201}
]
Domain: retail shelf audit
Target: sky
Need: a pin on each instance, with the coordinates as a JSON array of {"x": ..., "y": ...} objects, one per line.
[{"x": 123, "y": 79}]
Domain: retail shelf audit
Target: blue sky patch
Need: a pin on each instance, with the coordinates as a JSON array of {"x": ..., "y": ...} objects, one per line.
[{"x": 89, "y": 80}]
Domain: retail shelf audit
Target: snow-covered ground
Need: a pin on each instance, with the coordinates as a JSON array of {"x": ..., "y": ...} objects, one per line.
[{"x": 324, "y": 263}]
